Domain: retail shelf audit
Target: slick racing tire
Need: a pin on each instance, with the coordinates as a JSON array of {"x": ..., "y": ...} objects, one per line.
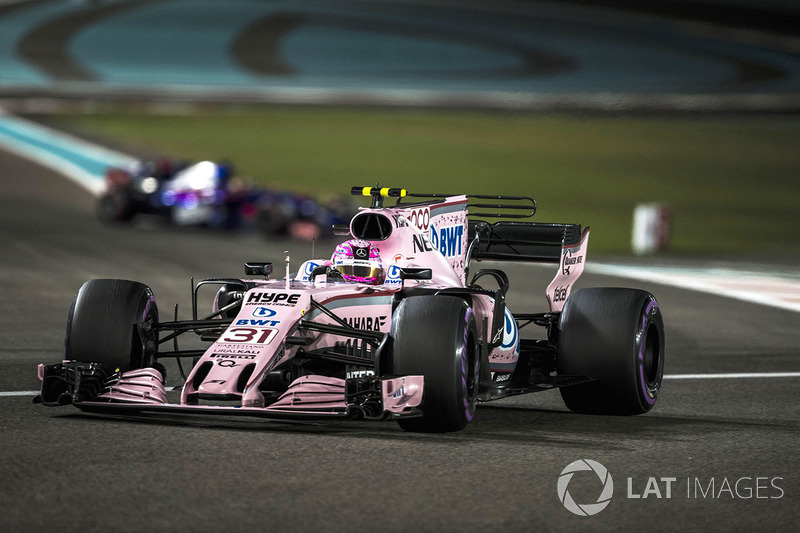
[
  {"x": 114, "y": 208},
  {"x": 616, "y": 337},
  {"x": 436, "y": 337},
  {"x": 104, "y": 325}
]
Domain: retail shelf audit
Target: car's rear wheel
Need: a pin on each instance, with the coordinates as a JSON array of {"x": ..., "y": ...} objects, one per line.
[
  {"x": 110, "y": 323},
  {"x": 616, "y": 337},
  {"x": 436, "y": 337}
]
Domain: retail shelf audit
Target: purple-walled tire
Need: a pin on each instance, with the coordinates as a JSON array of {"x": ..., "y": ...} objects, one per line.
[
  {"x": 102, "y": 326},
  {"x": 616, "y": 337},
  {"x": 436, "y": 337}
]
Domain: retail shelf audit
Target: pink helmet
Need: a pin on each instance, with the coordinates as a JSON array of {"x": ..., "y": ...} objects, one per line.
[{"x": 358, "y": 261}]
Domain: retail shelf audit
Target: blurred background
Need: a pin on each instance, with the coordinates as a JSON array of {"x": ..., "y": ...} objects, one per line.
[{"x": 591, "y": 107}]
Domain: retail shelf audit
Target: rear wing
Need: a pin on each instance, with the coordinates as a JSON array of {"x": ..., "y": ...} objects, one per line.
[
  {"x": 521, "y": 241},
  {"x": 508, "y": 207},
  {"x": 512, "y": 207},
  {"x": 509, "y": 239}
]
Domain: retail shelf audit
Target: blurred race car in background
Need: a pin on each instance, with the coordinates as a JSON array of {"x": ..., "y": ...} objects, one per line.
[{"x": 208, "y": 194}]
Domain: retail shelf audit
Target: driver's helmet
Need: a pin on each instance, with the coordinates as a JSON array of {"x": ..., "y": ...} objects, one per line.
[{"x": 358, "y": 261}]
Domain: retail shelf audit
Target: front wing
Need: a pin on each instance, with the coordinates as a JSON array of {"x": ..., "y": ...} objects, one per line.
[{"x": 90, "y": 386}]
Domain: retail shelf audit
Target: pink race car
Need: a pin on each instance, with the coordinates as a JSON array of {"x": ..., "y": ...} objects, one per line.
[{"x": 396, "y": 324}]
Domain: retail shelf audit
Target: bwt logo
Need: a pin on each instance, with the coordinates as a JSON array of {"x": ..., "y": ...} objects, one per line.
[
  {"x": 448, "y": 239},
  {"x": 309, "y": 268},
  {"x": 393, "y": 276},
  {"x": 585, "y": 509}
]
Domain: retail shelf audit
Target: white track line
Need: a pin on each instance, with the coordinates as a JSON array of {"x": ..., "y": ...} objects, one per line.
[
  {"x": 50, "y": 148},
  {"x": 742, "y": 375}
]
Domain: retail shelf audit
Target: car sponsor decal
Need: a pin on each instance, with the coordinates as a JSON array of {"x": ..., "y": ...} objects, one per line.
[
  {"x": 358, "y": 372},
  {"x": 367, "y": 322},
  {"x": 248, "y": 335},
  {"x": 285, "y": 299},
  {"x": 568, "y": 259},
  {"x": 501, "y": 377},
  {"x": 448, "y": 240},
  {"x": 448, "y": 232},
  {"x": 393, "y": 275},
  {"x": 230, "y": 351},
  {"x": 256, "y": 322},
  {"x": 420, "y": 218},
  {"x": 305, "y": 270},
  {"x": 510, "y": 333},
  {"x": 421, "y": 243}
]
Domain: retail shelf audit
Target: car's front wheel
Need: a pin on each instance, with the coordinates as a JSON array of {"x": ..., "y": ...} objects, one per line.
[
  {"x": 109, "y": 323},
  {"x": 436, "y": 337}
]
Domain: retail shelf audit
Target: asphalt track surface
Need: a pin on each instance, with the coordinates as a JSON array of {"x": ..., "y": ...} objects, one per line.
[{"x": 65, "y": 470}]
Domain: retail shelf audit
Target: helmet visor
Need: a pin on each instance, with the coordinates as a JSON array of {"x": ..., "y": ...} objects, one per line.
[{"x": 361, "y": 273}]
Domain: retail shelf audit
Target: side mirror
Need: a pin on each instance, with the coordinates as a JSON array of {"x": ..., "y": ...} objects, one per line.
[
  {"x": 257, "y": 268},
  {"x": 416, "y": 273}
]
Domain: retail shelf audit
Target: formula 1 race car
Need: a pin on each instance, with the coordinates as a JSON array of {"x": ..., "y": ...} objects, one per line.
[
  {"x": 396, "y": 325},
  {"x": 207, "y": 194},
  {"x": 185, "y": 194}
]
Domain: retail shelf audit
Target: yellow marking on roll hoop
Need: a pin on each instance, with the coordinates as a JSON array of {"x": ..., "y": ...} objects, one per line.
[
  {"x": 366, "y": 191},
  {"x": 385, "y": 192}
]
